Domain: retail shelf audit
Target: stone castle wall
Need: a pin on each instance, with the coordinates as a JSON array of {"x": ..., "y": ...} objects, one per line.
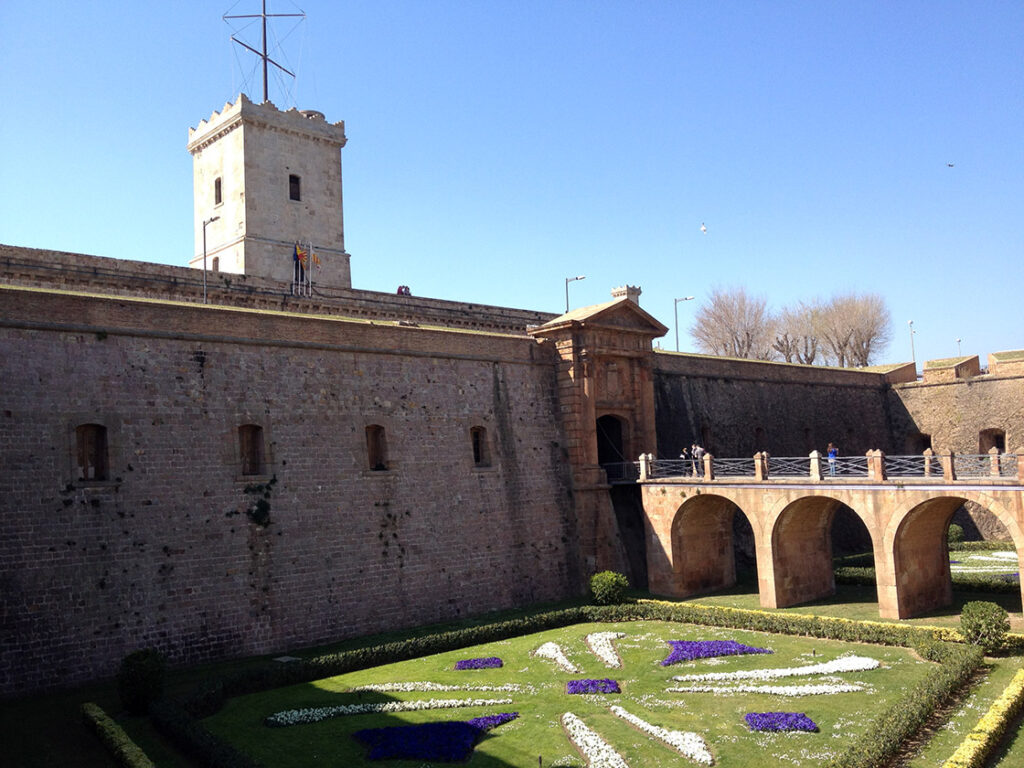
[
  {"x": 954, "y": 412},
  {"x": 736, "y": 408},
  {"x": 162, "y": 554},
  {"x": 98, "y": 274}
]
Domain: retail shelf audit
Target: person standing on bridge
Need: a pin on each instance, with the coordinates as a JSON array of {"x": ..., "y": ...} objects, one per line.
[
  {"x": 833, "y": 452},
  {"x": 698, "y": 460}
]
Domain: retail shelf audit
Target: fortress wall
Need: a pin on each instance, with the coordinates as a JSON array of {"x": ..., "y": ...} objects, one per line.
[
  {"x": 954, "y": 412},
  {"x": 163, "y": 553},
  {"x": 99, "y": 274},
  {"x": 722, "y": 403}
]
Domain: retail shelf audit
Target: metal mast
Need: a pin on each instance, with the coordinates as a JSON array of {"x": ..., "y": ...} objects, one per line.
[{"x": 263, "y": 54}]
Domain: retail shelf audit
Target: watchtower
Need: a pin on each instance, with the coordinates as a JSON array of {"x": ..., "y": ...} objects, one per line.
[{"x": 265, "y": 180}]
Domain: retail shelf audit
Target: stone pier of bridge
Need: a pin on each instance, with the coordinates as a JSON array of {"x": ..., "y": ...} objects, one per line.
[{"x": 689, "y": 530}]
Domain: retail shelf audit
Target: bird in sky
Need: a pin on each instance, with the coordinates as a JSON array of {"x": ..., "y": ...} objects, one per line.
[
  {"x": 949, "y": 165},
  {"x": 703, "y": 228}
]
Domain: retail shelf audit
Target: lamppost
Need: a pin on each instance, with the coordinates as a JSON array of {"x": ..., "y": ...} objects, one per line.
[
  {"x": 676, "y": 308},
  {"x": 567, "y": 281},
  {"x": 913, "y": 357},
  {"x": 208, "y": 221},
  {"x": 958, "y": 352}
]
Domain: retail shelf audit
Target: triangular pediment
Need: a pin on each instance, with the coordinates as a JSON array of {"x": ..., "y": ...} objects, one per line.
[{"x": 622, "y": 315}]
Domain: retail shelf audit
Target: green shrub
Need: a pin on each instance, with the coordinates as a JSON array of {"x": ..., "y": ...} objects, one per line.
[
  {"x": 116, "y": 741},
  {"x": 984, "y": 624},
  {"x": 140, "y": 680},
  {"x": 608, "y": 588},
  {"x": 955, "y": 535}
]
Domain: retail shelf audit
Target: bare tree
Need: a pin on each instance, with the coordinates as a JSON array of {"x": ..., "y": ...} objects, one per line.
[
  {"x": 734, "y": 324},
  {"x": 856, "y": 327},
  {"x": 796, "y": 334}
]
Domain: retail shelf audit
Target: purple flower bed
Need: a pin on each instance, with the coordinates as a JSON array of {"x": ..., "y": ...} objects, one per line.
[
  {"x": 688, "y": 650},
  {"x": 592, "y": 686},
  {"x": 955, "y": 562},
  {"x": 487, "y": 663},
  {"x": 780, "y": 721},
  {"x": 451, "y": 741}
]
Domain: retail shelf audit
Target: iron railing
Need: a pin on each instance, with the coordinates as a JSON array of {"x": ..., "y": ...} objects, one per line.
[
  {"x": 732, "y": 467},
  {"x": 789, "y": 466},
  {"x": 622, "y": 471},
  {"x": 910, "y": 466},
  {"x": 844, "y": 466},
  {"x": 972, "y": 465},
  {"x": 1008, "y": 464}
]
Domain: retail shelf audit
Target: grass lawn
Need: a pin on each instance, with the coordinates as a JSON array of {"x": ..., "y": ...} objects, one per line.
[{"x": 542, "y": 700}]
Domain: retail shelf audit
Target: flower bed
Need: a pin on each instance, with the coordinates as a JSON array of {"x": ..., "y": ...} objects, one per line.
[
  {"x": 687, "y": 743},
  {"x": 597, "y": 752},
  {"x": 601, "y": 645},
  {"x": 780, "y": 721},
  {"x": 775, "y": 690},
  {"x": 554, "y": 652},
  {"x": 316, "y": 714},
  {"x": 451, "y": 741},
  {"x": 842, "y": 664},
  {"x": 592, "y": 686},
  {"x": 427, "y": 686},
  {"x": 688, "y": 650},
  {"x": 490, "y": 662}
]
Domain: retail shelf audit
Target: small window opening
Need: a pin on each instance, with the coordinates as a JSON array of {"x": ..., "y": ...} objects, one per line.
[
  {"x": 294, "y": 187},
  {"x": 217, "y": 199},
  {"x": 216, "y": 263},
  {"x": 991, "y": 438},
  {"x": 481, "y": 449},
  {"x": 377, "y": 447},
  {"x": 91, "y": 442},
  {"x": 250, "y": 448}
]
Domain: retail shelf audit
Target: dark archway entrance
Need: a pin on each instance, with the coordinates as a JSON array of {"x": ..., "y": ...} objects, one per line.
[{"x": 611, "y": 440}]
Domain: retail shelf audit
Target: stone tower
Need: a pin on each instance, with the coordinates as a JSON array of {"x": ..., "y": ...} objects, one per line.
[{"x": 272, "y": 179}]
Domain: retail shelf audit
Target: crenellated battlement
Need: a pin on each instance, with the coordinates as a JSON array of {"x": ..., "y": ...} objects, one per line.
[{"x": 309, "y": 124}]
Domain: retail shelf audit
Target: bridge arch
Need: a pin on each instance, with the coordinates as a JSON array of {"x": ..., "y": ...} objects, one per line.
[
  {"x": 916, "y": 553},
  {"x": 703, "y": 555},
  {"x": 799, "y": 540}
]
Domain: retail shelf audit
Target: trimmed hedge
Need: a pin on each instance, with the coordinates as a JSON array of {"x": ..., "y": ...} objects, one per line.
[
  {"x": 180, "y": 720},
  {"x": 978, "y": 745},
  {"x": 907, "y": 715},
  {"x": 115, "y": 740},
  {"x": 980, "y": 546}
]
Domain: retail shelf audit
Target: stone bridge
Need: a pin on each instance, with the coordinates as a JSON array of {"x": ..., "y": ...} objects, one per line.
[{"x": 688, "y": 520}]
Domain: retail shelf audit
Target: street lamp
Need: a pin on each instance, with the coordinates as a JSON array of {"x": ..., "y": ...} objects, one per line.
[
  {"x": 567, "y": 281},
  {"x": 958, "y": 352},
  {"x": 913, "y": 357},
  {"x": 207, "y": 221},
  {"x": 676, "y": 308}
]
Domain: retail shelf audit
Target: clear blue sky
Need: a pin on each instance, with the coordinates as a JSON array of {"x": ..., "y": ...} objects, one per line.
[{"x": 496, "y": 148}]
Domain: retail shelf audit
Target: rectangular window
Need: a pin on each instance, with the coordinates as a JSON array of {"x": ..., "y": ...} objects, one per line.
[
  {"x": 481, "y": 450},
  {"x": 250, "y": 448},
  {"x": 91, "y": 440},
  {"x": 377, "y": 448},
  {"x": 217, "y": 200},
  {"x": 294, "y": 187}
]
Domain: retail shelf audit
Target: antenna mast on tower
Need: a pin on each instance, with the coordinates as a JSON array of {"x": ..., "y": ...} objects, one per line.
[{"x": 263, "y": 54}]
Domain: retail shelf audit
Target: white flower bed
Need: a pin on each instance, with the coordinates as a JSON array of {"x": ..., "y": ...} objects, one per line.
[
  {"x": 687, "y": 743},
  {"x": 425, "y": 686},
  {"x": 778, "y": 690},
  {"x": 316, "y": 714},
  {"x": 601, "y": 645},
  {"x": 597, "y": 752},
  {"x": 554, "y": 652},
  {"x": 842, "y": 664}
]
